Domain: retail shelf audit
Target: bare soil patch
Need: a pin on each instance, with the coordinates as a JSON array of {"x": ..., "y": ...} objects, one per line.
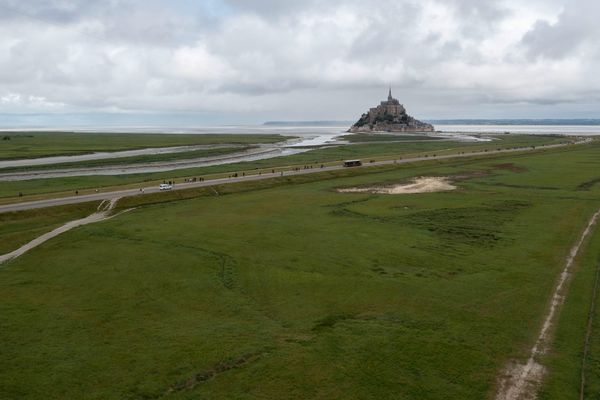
[{"x": 423, "y": 184}]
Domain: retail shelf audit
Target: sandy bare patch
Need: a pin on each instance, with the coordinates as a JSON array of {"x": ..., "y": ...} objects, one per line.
[
  {"x": 423, "y": 184},
  {"x": 102, "y": 214},
  {"x": 522, "y": 381}
]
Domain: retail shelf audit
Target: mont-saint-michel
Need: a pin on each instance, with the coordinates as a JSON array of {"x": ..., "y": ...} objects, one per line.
[{"x": 389, "y": 116}]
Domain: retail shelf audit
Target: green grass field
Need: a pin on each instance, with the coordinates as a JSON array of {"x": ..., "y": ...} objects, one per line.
[
  {"x": 314, "y": 157},
  {"x": 289, "y": 289},
  {"x": 15, "y": 145}
]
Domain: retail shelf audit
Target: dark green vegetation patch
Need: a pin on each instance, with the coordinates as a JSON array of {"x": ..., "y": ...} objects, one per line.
[{"x": 469, "y": 225}]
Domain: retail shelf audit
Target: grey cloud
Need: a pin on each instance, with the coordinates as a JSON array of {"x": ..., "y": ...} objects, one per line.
[
  {"x": 576, "y": 26},
  {"x": 270, "y": 8},
  {"x": 478, "y": 18},
  {"x": 486, "y": 12},
  {"x": 113, "y": 21},
  {"x": 150, "y": 25},
  {"x": 380, "y": 40},
  {"x": 49, "y": 11}
]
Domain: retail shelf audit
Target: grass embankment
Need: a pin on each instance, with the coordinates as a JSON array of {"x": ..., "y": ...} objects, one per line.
[
  {"x": 298, "y": 291},
  {"x": 382, "y": 137},
  {"x": 42, "y": 144},
  {"x": 19, "y": 228},
  {"x": 40, "y": 188}
]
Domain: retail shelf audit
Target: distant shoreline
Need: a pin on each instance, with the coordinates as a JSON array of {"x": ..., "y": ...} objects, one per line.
[
  {"x": 308, "y": 123},
  {"x": 529, "y": 122}
]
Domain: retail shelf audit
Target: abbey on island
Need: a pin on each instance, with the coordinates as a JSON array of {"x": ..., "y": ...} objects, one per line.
[{"x": 389, "y": 116}]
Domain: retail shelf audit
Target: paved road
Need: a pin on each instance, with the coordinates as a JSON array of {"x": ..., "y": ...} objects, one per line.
[{"x": 182, "y": 186}]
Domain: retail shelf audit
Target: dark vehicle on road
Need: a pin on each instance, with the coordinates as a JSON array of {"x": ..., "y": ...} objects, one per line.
[{"x": 352, "y": 163}]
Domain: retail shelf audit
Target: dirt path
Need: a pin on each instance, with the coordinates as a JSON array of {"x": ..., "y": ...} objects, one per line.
[
  {"x": 102, "y": 214},
  {"x": 522, "y": 381}
]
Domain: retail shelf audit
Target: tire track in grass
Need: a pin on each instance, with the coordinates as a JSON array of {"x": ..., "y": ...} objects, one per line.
[
  {"x": 588, "y": 334},
  {"x": 213, "y": 372},
  {"x": 522, "y": 381}
]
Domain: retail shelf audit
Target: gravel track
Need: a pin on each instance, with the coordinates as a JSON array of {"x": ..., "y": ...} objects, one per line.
[{"x": 102, "y": 214}]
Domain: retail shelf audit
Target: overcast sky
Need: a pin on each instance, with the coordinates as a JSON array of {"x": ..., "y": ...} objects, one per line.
[{"x": 247, "y": 61}]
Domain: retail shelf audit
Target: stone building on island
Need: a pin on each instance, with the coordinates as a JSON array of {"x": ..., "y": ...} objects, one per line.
[{"x": 389, "y": 116}]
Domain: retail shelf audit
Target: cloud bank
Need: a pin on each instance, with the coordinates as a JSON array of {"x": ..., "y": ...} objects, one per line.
[{"x": 250, "y": 60}]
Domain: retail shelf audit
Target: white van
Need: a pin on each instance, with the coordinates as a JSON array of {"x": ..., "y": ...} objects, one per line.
[{"x": 165, "y": 186}]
